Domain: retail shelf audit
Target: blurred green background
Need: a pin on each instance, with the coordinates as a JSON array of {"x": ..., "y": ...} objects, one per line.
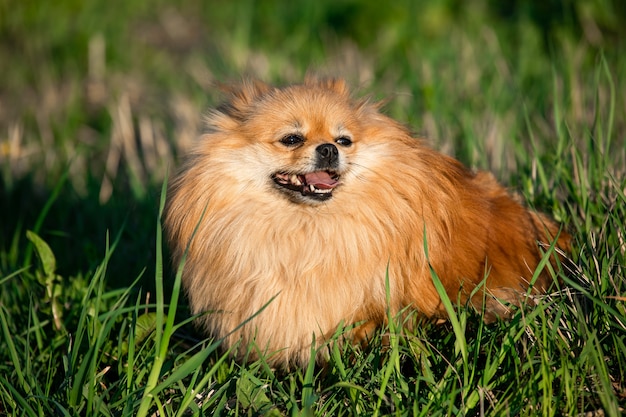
[{"x": 97, "y": 100}]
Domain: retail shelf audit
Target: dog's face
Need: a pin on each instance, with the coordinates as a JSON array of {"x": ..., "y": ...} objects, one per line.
[
  {"x": 300, "y": 142},
  {"x": 317, "y": 164}
]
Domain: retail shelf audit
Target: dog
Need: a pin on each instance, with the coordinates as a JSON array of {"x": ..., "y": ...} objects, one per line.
[{"x": 303, "y": 209}]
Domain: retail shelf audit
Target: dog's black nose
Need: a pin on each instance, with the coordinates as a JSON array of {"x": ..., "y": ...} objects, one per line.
[{"x": 327, "y": 156}]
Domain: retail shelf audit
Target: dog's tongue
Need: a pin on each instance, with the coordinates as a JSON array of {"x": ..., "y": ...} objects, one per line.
[{"x": 321, "y": 180}]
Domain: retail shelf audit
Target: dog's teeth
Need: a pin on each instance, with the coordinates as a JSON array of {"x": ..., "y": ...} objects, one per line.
[
  {"x": 294, "y": 180},
  {"x": 319, "y": 190}
]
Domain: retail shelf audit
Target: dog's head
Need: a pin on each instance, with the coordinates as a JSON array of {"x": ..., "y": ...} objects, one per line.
[{"x": 302, "y": 142}]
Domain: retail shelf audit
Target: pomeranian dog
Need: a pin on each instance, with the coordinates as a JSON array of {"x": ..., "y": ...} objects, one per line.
[{"x": 303, "y": 210}]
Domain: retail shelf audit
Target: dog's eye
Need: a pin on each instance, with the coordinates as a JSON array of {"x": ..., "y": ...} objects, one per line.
[
  {"x": 344, "y": 141},
  {"x": 292, "y": 140}
]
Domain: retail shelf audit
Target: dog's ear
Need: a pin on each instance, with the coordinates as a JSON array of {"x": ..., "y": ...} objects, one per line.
[
  {"x": 338, "y": 85},
  {"x": 239, "y": 99},
  {"x": 248, "y": 92},
  {"x": 244, "y": 94}
]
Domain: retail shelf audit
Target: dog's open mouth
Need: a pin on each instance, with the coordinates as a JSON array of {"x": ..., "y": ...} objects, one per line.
[{"x": 318, "y": 185}]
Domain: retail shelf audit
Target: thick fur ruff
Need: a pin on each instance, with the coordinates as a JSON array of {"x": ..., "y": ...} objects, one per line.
[{"x": 383, "y": 207}]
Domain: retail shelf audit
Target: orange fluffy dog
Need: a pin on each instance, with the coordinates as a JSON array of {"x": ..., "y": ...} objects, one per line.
[{"x": 304, "y": 200}]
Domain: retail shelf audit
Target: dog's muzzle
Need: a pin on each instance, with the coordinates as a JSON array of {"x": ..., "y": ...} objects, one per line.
[{"x": 317, "y": 185}]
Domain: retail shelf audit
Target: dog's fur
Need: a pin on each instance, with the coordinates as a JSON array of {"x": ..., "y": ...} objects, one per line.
[{"x": 395, "y": 209}]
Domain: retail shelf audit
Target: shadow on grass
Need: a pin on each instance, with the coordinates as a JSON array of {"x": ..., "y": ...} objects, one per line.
[{"x": 76, "y": 227}]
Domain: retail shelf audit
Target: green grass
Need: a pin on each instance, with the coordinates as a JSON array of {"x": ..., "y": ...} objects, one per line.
[{"x": 98, "y": 103}]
